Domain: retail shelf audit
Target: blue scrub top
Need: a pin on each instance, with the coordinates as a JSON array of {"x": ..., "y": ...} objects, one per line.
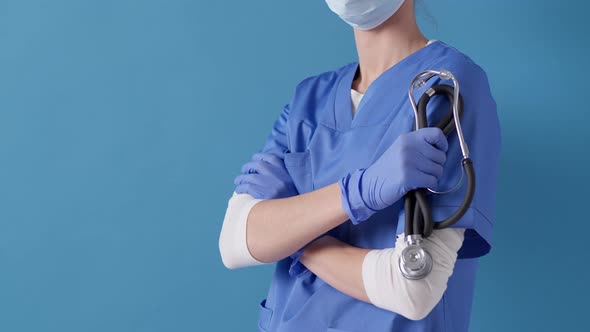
[{"x": 320, "y": 142}]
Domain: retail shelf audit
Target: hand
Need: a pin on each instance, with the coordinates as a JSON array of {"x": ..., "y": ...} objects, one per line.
[
  {"x": 265, "y": 177},
  {"x": 414, "y": 160}
]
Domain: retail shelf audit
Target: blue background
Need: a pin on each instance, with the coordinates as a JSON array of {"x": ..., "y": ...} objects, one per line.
[{"x": 123, "y": 124}]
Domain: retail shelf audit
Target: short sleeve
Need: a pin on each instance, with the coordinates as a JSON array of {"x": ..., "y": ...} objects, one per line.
[
  {"x": 481, "y": 130},
  {"x": 277, "y": 142}
]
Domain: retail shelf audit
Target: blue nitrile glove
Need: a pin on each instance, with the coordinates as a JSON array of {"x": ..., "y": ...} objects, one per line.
[
  {"x": 414, "y": 160},
  {"x": 265, "y": 177}
]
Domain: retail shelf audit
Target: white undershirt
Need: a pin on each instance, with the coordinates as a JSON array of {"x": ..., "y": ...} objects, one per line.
[{"x": 356, "y": 96}]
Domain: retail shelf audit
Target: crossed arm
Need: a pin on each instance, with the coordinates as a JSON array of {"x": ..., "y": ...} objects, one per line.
[
  {"x": 276, "y": 228},
  {"x": 301, "y": 219}
]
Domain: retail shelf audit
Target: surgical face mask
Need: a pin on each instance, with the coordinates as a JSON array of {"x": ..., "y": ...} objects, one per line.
[{"x": 364, "y": 14}]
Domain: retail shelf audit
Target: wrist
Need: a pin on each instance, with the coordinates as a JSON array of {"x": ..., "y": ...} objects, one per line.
[{"x": 353, "y": 202}]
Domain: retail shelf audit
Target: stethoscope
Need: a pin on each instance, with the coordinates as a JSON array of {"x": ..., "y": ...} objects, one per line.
[{"x": 415, "y": 262}]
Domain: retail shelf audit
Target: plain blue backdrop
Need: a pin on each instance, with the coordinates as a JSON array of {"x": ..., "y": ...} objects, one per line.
[{"x": 123, "y": 124}]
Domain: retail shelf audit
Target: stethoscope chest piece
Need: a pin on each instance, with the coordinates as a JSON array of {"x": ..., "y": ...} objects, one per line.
[{"x": 415, "y": 262}]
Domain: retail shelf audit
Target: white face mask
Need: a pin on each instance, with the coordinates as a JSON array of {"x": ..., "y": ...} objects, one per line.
[{"x": 364, "y": 14}]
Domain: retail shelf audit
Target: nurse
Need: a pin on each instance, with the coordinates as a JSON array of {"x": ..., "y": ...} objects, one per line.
[{"x": 323, "y": 197}]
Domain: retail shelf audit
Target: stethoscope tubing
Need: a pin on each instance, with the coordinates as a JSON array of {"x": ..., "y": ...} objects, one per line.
[
  {"x": 418, "y": 211},
  {"x": 415, "y": 262}
]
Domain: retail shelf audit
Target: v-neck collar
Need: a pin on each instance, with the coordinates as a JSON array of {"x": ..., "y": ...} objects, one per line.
[{"x": 342, "y": 111}]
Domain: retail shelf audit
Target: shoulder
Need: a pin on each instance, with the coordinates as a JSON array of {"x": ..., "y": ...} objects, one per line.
[
  {"x": 463, "y": 67},
  {"x": 313, "y": 93},
  {"x": 474, "y": 84},
  {"x": 322, "y": 81},
  {"x": 480, "y": 107}
]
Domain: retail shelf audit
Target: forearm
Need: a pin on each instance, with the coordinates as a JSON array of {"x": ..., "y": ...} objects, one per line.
[
  {"x": 278, "y": 227},
  {"x": 338, "y": 264},
  {"x": 373, "y": 276}
]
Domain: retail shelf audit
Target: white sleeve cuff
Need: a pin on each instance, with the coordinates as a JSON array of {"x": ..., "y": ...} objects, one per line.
[
  {"x": 388, "y": 289},
  {"x": 232, "y": 240}
]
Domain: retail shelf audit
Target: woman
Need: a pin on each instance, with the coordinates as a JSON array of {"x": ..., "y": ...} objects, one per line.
[{"x": 323, "y": 198}]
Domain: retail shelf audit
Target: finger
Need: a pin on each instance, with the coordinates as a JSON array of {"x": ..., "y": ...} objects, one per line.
[
  {"x": 432, "y": 153},
  {"x": 428, "y": 166},
  {"x": 242, "y": 188},
  {"x": 249, "y": 178},
  {"x": 436, "y": 137},
  {"x": 250, "y": 167},
  {"x": 269, "y": 158},
  {"x": 257, "y": 191},
  {"x": 249, "y": 189},
  {"x": 428, "y": 181},
  {"x": 239, "y": 179},
  {"x": 258, "y": 167}
]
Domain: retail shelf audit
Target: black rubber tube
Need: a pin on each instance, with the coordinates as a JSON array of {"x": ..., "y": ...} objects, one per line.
[
  {"x": 418, "y": 214},
  {"x": 408, "y": 206},
  {"x": 470, "y": 175}
]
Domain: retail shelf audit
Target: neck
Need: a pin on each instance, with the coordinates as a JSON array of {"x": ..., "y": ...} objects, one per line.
[{"x": 380, "y": 48}]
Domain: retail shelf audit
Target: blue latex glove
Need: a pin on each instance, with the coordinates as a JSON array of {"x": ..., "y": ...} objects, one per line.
[
  {"x": 265, "y": 177},
  {"x": 414, "y": 160}
]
